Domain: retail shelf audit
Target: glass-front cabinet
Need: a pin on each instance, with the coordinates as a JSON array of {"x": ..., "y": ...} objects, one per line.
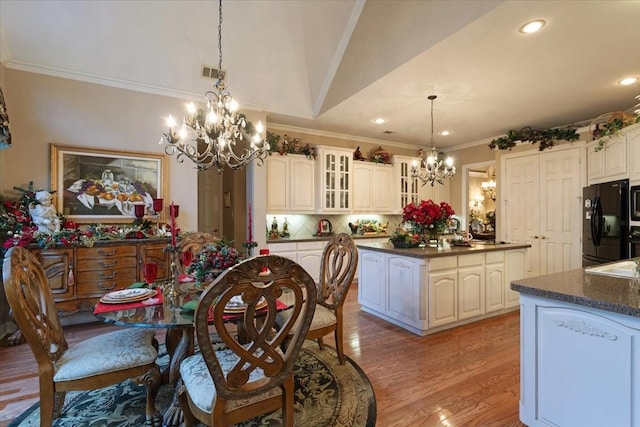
[
  {"x": 408, "y": 189},
  {"x": 335, "y": 178}
]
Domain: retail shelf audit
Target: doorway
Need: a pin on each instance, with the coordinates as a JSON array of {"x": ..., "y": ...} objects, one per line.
[{"x": 479, "y": 200}]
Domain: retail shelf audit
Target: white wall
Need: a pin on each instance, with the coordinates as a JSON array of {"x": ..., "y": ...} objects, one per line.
[{"x": 44, "y": 110}]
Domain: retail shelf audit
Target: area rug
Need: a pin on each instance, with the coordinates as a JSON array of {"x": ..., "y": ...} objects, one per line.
[{"x": 327, "y": 394}]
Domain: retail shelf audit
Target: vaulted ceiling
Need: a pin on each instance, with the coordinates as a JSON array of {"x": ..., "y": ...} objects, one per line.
[{"x": 336, "y": 65}]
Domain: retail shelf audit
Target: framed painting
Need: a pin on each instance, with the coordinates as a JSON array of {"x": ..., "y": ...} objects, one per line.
[{"x": 102, "y": 186}]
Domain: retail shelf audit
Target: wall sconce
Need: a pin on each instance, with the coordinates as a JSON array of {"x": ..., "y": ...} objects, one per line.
[{"x": 489, "y": 189}]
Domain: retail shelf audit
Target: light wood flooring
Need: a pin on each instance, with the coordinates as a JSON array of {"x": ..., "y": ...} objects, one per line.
[{"x": 467, "y": 376}]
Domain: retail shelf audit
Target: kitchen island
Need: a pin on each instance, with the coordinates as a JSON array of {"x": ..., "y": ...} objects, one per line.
[
  {"x": 579, "y": 350},
  {"x": 425, "y": 290}
]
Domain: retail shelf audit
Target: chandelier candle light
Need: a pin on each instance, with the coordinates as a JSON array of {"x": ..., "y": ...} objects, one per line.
[
  {"x": 433, "y": 167},
  {"x": 209, "y": 141}
]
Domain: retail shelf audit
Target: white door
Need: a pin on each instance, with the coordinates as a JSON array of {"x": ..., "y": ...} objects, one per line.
[
  {"x": 560, "y": 210},
  {"x": 522, "y": 203}
]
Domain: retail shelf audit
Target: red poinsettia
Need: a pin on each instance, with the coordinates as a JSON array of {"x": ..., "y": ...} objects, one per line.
[{"x": 428, "y": 215}]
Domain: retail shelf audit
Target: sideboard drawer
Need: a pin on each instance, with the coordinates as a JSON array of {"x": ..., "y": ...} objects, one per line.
[
  {"x": 106, "y": 252},
  {"x": 107, "y": 264},
  {"x": 100, "y": 282}
]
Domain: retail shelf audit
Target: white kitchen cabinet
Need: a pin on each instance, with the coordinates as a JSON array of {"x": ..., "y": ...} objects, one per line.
[
  {"x": 290, "y": 184},
  {"x": 471, "y": 286},
  {"x": 438, "y": 192},
  {"x": 494, "y": 281},
  {"x": 285, "y": 249},
  {"x": 429, "y": 294},
  {"x": 372, "y": 187},
  {"x": 579, "y": 365},
  {"x": 334, "y": 180},
  {"x": 609, "y": 163},
  {"x": 514, "y": 268},
  {"x": 405, "y": 188},
  {"x": 443, "y": 291},
  {"x": 307, "y": 254},
  {"x": 406, "y": 303},
  {"x": 372, "y": 281},
  {"x": 633, "y": 141}
]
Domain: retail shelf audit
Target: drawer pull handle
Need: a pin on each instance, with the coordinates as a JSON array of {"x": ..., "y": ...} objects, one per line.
[
  {"x": 105, "y": 253},
  {"x": 107, "y": 265},
  {"x": 104, "y": 276},
  {"x": 107, "y": 288}
]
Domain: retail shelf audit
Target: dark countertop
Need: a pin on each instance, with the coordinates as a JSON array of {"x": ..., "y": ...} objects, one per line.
[
  {"x": 321, "y": 238},
  {"x": 429, "y": 252},
  {"x": 591, "y": 290}
]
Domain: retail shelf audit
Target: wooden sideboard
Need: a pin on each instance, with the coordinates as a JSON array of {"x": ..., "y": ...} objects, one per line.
[{"x": 79, "y": 276}]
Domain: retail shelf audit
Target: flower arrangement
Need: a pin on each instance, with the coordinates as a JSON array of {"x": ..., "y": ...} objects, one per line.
[
  {"x": 428, "y": 216},
  {"x": 213, "y": 258}
]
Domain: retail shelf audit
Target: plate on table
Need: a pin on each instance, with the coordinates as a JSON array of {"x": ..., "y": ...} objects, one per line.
[
  {"x": 127, "y": 295},
  {"x": 236, "y": 305}
]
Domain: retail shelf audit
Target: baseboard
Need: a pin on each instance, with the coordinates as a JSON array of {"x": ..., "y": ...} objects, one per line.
[{"x": 7, "y": 328}]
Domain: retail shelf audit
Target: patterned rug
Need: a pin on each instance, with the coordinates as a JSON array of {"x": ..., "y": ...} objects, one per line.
[{"x": 327, "y": 394}]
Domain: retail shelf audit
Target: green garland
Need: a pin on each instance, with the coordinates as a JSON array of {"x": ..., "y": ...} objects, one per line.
[
  {"x": 612, "y": 129},
  {"x": 545, "y": 138}
]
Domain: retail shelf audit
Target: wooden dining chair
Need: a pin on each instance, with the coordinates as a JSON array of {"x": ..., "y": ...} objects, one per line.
[
  {"x": 95, "y": 363},
  {"x": 222, "y": 387},
  {"x": 337, "y": 269}
]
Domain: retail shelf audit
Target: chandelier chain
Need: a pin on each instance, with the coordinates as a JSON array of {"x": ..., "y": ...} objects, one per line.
[{"x": 220, "y": 40}]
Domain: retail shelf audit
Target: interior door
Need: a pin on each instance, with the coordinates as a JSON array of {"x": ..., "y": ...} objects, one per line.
[
  {"x": 560, "y": 210},
  {"x": 522, "y": 204},
  {"x": 210, "y": 201}
]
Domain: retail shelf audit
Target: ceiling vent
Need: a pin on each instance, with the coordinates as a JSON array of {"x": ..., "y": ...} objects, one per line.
[{"x": 210, "y": 72}]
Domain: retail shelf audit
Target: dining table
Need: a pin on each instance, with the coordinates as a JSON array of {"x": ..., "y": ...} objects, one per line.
[{"x": 167, "y": 312}]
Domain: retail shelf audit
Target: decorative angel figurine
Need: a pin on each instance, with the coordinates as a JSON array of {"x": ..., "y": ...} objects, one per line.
[{"x": 44, "y": 214}]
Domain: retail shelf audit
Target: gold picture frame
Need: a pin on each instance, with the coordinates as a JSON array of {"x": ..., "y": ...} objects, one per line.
[{"x": 95, "y": 185}]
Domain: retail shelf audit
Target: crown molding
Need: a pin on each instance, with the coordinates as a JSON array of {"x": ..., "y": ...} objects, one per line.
[
  {"x": 287, "y": 128},
  {"x": 116, "y": 83}
]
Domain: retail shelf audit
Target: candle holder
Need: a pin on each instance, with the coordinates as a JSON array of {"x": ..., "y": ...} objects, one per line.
[
  {"x": 157, "y": 208},
  {"x": 138, "y": 210}
]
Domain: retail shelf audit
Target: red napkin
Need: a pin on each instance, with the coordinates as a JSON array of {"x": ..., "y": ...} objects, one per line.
[{"x": 103, "y": 308}]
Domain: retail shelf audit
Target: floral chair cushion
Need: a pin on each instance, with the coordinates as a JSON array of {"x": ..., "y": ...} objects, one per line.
[
  {"x": 114, "y": 351},
  {"x": 199, "y": 384},
  {"x": 321, "y": 318}
]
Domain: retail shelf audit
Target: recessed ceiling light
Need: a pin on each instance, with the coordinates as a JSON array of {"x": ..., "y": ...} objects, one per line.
[
  {"x": 532, "y": 27},
  {"x": 628, "y": 81},
  {"x": 445, "y": 133},
  {"x": 380, "y": 120}
]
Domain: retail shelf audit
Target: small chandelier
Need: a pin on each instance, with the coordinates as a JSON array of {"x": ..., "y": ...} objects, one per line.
[
  {"x": 489, "y": 189},
  {"x": 209, "y": 140},
  {"x": 433, "y": 167}
]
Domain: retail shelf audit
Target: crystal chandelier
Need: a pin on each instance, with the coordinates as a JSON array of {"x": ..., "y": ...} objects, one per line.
[
  {"x": 489, "y": 189},
  {"x": 433, "y": 167},
  {"x": 210, "y": 140}
]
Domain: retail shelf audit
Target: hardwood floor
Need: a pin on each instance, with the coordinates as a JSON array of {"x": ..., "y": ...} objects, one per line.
[{"x": 467, "y": 376}]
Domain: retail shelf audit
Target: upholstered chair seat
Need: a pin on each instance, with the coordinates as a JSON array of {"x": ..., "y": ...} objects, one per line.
[
  {"x": 198, "y": 381},
  {"x": 110, "y": 352}
]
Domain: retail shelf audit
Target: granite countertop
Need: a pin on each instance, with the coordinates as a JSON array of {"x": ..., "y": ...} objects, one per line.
[
  {"x": 430, "y": 252},
  {"x": 615, "y": 294},
  {"x": 320, "y": 238}
]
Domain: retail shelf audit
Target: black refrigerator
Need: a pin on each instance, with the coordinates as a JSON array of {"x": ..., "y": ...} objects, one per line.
[{"x": 605, "y": 219}]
